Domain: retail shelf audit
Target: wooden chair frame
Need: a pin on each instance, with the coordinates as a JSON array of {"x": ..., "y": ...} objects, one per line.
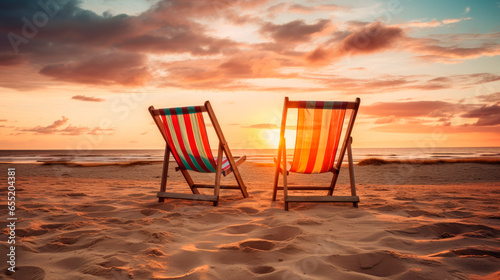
[
  {"x": 223, "y": 148},
  {"x": 281, "y": 163}
]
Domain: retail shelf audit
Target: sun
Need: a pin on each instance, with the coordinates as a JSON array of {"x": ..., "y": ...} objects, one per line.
[{"x": 271, "y": 138}]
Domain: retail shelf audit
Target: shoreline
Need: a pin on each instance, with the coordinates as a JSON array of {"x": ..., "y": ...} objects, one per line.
[{"x": 363, "y": 162}]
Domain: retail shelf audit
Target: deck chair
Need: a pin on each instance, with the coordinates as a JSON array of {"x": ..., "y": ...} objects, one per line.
[
  {"x": 319, "y": 129},
  {"x": 186, "y": 138}
]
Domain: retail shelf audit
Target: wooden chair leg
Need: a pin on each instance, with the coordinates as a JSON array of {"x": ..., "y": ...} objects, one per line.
[
  {"x": 275, "y": 187},
  {"x": 277, "y": 172},
  {"x": 218, "y": 174},
  {"x": 285, "y": 181},
  {"x": 190, "y": 181},
  {"x": 224, "y": 148},
  {"x": 164, "y": 175},
  {"x": 333, "y": 183},
  {"x": 351, "y": 170}
]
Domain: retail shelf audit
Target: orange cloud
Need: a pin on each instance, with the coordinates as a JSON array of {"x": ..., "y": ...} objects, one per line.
[
  {"x": 486, "y": 115},
  {"x": 115, "y": 68},
  {"x": 407, "y": 109},
  {"x": 296, "y": 31},
  {"x": 450, "y": 54},
  {"x": 375, "y": 37},
  {"x": 433, "y": 23},
  {"x": 87, "y": 98},
  {"x": 11, "y": 59},
  {"x": 50, "y": 129},
  {"x": 57, "y": 128}
]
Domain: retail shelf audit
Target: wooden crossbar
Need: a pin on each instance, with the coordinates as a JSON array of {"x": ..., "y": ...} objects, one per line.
[
  {"x": 189, "y": 196},
  {"x": 204, "y": 186},
  {"x": 302, "y": 104},
  {"x": 304, "y": 188},
  {"x": 328, "y": 198},
  {"x": 238, "y": 162},
  {"x": 158, "y": 112}
]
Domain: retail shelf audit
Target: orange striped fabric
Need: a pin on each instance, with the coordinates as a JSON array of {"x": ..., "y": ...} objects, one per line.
[{"x": 319, "y": 125}]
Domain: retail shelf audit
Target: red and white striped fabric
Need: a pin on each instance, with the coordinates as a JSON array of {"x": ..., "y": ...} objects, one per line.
[{"x": 187, "y": 137}]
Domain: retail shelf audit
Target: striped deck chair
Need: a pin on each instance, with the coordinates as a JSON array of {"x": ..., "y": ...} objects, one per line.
[
  {"x": 186, "y": 138},
  {"x": 319, "y": 129}
]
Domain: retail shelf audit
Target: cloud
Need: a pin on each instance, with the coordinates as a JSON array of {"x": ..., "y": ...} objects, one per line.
[
  {"x": 72, "y": 130},
  {"x": 50, "y": 129},
  {"x": 301, "y": 9},
  {"x": 75, "y": 40},
  {"x": 369, "y": 38},
  {"x": 223, "y": 74},
  {"x": 176, "y": 44},
  {"x": 87, "y": 98},
  {"x": 296, "y": 31},
  {"x": 385, "y": 120},
  {"x": 11, "y": 60},
  {"x": 101, "y": 131},
  {"x": 467, "y": 10},
  {"x": 494, "y": 97},
  {"x": 439, "y": 129},
  {"x": 432, "y": 116},
  {"x": 451, "y": 54},
  {"x": 395, "y": 83},
  {"x": 3, "y": 120},
  {"x": 263, "y": 125},
  {"x": 127, "y": 69},
  {"x": 431, "y": 24},
  {"x": 486, "y": 115},
  {"x": 407, "y": 109},
  {"x": 57, "y": 127},
  {"x": 372, "y": 38},
  {"x": 178, "y": 40}
]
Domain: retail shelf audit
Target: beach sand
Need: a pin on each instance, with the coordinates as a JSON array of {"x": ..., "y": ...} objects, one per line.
[{"x": 439, "y": 221}]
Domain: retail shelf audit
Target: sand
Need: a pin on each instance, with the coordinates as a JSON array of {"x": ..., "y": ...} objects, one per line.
[{"x": 413, "y": 222}]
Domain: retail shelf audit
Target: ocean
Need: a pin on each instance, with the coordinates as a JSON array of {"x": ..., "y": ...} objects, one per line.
[{"x": 254, "y": 155}]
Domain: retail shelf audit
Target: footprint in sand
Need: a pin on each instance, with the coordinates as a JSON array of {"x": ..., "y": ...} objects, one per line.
[
  {"x": 263, "y": 269},
  {"x": 52, "y": 226},
  {"x": 241, "y": 229},
  {"x": 248, "y": 210},
  {"x": 25, "y": 232},
  {"x": 186, "y": 260},
  {"x": 94, "y": 208},
  {"x": 71, "y": 263},
  {"x": 113, "y": 262},
  {"x": 28, "y": 273},
  {"x": 308, "y": 222},
  {"x": 447, "y": 230},
  {"x": 282, "y": 233},
  {"x": 149, "y": 212},
  {"x": 261, "y": 245},
  {"x": 75, "y": 194},
  {"x": 381, "y": 264}
]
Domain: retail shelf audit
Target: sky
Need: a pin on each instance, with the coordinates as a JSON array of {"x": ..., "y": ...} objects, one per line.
[{"x": 80, "y": 75}]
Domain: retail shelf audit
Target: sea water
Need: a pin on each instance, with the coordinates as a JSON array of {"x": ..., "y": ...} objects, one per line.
[{"x": 253, "y": 155}]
